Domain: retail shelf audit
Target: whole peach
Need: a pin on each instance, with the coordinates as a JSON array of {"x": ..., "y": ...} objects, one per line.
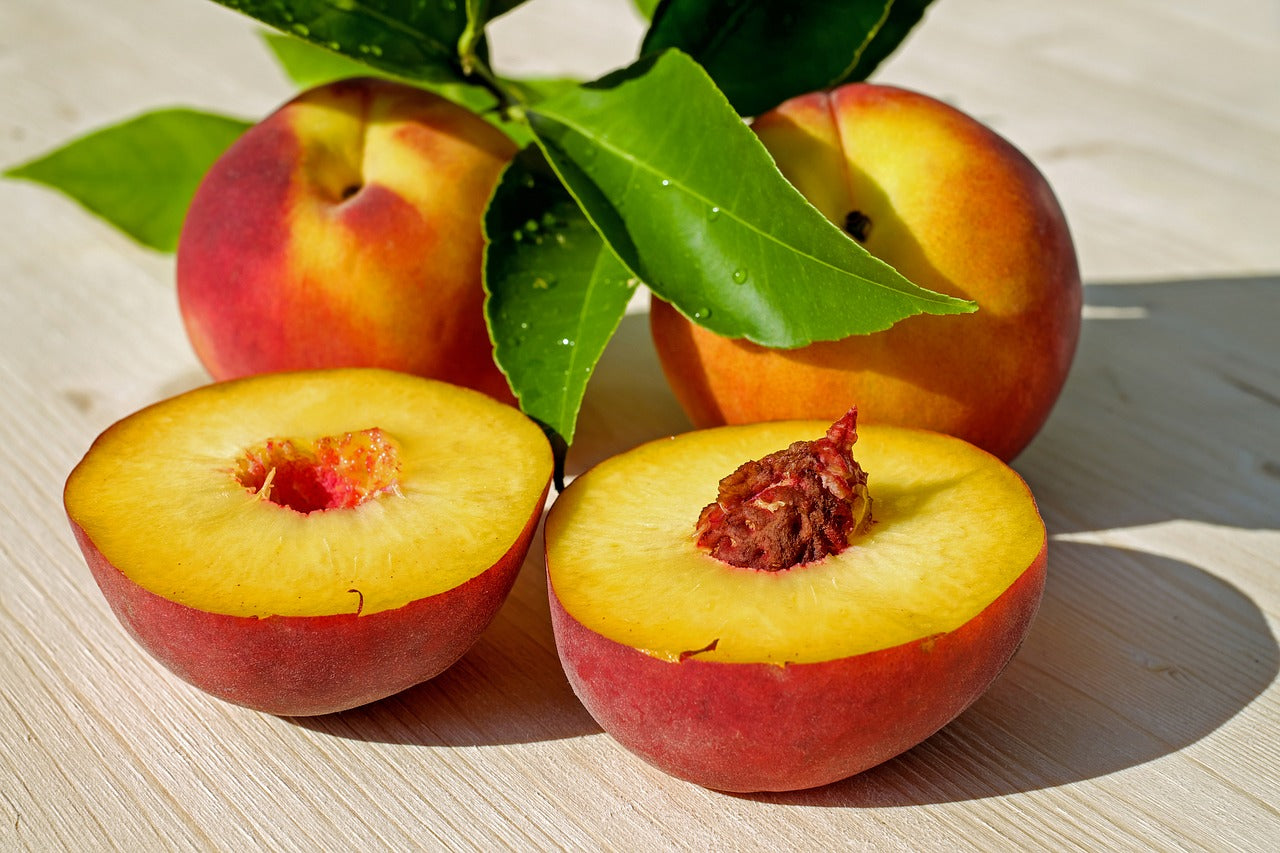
[
  {"x": 956, "y": 209},
  {"x": 344, "y": 230}
]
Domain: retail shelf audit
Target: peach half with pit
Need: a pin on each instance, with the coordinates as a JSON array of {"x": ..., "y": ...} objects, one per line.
[
  {"x": 344, "y": 230},
  {"x": 954, "y": 207},
  {"x": 805, "y": 617},
  {"x": 304, "y": 543}
]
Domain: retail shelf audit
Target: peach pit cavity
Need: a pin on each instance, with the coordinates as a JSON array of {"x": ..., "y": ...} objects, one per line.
[{"x": 330, "y": 472}]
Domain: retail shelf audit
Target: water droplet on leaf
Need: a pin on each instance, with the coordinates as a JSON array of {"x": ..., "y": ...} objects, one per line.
[{"x": 739, "y": 276}]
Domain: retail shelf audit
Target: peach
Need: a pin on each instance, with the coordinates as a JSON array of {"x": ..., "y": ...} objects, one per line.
[
  {"x": 908, "y": 579},
  {"x": 303, "y": 543},
  {"x": 344, "y": 230},
  {"x": 955, "y": 208}
]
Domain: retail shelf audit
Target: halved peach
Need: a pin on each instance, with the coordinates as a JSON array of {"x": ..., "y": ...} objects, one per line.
[
  {"x": 741, "y": 678},
  {"x": 302, "y": 543}
]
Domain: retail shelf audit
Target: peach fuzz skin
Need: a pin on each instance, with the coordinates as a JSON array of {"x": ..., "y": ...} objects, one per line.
[
  {"x": 748, "y": 727},
  {"x": 345, "y": 230},
  {"x": 308, "y": 665},
  {"x": 956, "y": 209}
]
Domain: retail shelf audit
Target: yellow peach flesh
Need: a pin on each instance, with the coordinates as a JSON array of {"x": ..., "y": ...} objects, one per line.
[
  {"x": 953, "y": 529},
  {"x": 160, "y": 499}
]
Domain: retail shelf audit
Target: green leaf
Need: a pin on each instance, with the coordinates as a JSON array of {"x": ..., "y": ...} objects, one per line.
[
  {"x": 556, "y": 293},
  {"x": 761, "y": 52},
  {"x": 417, "y": 40},
  {"x": 530, "y": 90},
  {"x": 690, "y": 200},
  {"x": 307, "y": 65},
  {"x": 646, "y": 7},
  {"x": 903, "y": 16},
  {"x": 139, "y": 175}
]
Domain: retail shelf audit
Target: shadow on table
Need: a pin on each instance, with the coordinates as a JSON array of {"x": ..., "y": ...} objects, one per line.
[
  {"x": 1171, "y": 411},
  {"x": 508, "y": 689},
  {"x": 1132, "y": 657}
]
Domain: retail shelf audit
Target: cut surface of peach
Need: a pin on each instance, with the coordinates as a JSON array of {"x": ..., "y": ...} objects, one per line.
[
  {"x": 391, "y": 489},
  {"x": 952, "y": 529}
]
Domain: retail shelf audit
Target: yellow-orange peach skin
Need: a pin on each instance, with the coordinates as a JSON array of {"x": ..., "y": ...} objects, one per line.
[{"x": 956, "y": 209}]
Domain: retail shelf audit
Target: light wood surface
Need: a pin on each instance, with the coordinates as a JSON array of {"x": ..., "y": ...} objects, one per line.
[{"x": 1141, "y": 713}]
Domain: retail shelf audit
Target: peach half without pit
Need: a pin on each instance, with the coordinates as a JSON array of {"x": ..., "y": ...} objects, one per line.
[
  {"x": 303, "y": 543},
  {"x": 819, "y": 616}
]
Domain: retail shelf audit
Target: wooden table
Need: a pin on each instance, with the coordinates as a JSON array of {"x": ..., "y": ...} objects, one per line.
[{"x": 1141, "y": 713}]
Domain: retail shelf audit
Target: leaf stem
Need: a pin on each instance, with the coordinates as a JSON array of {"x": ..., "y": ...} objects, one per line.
[{"x": 511, "y": 104}]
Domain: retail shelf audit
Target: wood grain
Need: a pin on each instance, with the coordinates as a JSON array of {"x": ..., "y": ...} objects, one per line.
[{"x": 1142, "y": 712}]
